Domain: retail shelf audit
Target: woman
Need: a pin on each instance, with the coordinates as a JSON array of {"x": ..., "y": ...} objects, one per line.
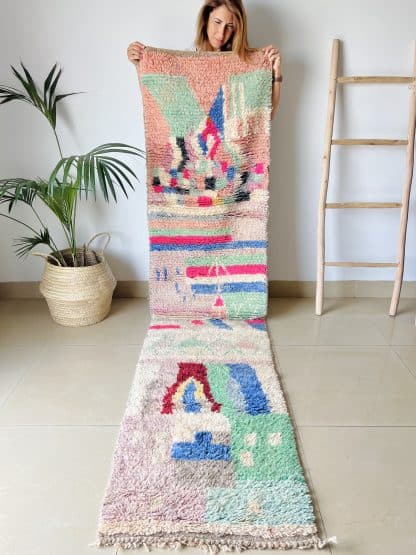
[{"x": 222, "y": 26}]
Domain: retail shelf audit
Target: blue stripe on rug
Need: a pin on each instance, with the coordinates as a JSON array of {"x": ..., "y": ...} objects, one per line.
[
  {"x": 209, "y": 246},
  {"x": 244, "y": 287}
]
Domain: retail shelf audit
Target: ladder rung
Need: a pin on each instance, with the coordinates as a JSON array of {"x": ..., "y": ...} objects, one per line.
[
  {"x": 363, "y": 205},
  {"x": 369, "y": 142},
  {"x": 375, "y": 79},
  {"x": 363, "y": 264}
]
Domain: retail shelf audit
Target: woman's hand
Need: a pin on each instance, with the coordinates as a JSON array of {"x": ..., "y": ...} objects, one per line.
[
  {"x": 273, "y": 55},
  {"x": 135, "y": 52}
]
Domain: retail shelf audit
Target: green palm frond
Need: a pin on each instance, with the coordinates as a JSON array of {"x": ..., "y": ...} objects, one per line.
[
  {"x": 17, "y": 189},
  {"x": 49, "y": 98},
  {"x": 61, "y": 200},
  {"x": 26, "y": 244},
  {"x": 13, "y": 182},
  {"x": 7, "y": 94},
  {"x": 96, "y": 168},
  {"x": 44, "y": 100}
]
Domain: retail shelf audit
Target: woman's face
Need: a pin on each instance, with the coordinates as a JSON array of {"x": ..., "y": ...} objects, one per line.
[{"x": 221, "y": 26}]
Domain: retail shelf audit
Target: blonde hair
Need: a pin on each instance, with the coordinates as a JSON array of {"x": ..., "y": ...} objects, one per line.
[{"x": 238, "y": 42}]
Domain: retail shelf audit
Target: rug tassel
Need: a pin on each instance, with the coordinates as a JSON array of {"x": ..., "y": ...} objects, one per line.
[{"x": 327, "y": 541}]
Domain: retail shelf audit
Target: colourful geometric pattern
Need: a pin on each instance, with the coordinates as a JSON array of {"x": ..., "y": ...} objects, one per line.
[
  {"x": 207, "y": 139},
  {"x": 206, "y": 454}
]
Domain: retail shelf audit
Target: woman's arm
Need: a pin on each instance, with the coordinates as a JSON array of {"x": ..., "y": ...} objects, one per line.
[
  {"x": 275, "y": 59},
  {"x": 275, "y": 97}
]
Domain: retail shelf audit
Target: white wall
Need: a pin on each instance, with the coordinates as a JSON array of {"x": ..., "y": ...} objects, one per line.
[{"x": 89, "y": 39}]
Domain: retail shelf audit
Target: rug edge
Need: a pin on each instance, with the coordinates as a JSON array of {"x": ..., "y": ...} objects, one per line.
[{"x": 214, "y": 545}]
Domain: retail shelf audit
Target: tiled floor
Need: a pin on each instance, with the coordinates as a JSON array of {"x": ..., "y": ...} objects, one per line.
[{"x": 349, "y": 378}]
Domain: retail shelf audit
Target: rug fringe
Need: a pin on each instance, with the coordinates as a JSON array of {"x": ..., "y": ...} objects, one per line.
[{"x": 213, "y": 548}]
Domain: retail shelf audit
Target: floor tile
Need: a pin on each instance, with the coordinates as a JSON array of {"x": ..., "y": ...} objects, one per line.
[
  {"x": 297, "y": 324},
  {"x": 55, "y": 485},
  {"x": 407, "y": 355},
  {"x": 74, "y": 385},
  {"x": 347, "y": 386},
  {"x": 14, "y": 363},
  {"x": 367, "y": 492},
  {"x": 126, "y": 324}
]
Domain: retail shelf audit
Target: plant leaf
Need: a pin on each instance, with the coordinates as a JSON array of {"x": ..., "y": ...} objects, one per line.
[
  {"x": 47, "y": 83},
  {"x": 33, "y": 88},
  {"x": 53, "y": 87},
  {"x": 45, "y": 100},
  {"x": 109, "y": 182},
  {"x": 26, "y": 244},
  {"x": 92, "y": 169},
  {"x": 30, "y": 88},
  {"x": 117, "y": 178},
  {"x": 92, "y": 176},
  {"x": 101, "y": 179},
  {"x": 17, "y": 190},
  {"x": 7, "y": 94},
  {"x": 120, "y": 176},
  {"x": 116, "y": 162}
]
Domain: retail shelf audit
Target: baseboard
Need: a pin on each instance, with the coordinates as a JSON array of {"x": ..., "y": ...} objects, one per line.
[
  {"x": 19, "y": 290},
  {"x": 333, "y": 289}
]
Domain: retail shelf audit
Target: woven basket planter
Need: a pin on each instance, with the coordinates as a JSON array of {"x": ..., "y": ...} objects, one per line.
[{"x": 78, "y": 296}]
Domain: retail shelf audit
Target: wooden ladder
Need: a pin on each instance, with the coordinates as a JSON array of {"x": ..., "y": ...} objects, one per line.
[{"x": 403, "y": 205}]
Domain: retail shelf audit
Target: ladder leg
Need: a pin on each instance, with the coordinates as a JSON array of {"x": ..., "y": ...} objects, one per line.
[
  {"x": 406, "y": 195},
  {"x": 326, "y": 159}
]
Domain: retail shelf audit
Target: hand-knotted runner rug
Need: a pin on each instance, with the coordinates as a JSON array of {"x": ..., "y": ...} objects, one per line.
[{"x": 206, "y": 454}]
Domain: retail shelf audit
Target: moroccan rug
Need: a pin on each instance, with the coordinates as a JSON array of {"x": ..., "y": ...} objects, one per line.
[{"x": 206, "y": 455}]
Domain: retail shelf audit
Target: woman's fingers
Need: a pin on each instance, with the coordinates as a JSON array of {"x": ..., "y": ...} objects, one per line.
[
  {"x": 135, "y": 48},
  {"x": 135, "y": 51},
  {"x": 272, "y": 54}
]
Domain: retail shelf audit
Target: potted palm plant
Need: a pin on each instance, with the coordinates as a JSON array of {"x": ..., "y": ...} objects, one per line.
[{"x": 77, "y": 281}]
